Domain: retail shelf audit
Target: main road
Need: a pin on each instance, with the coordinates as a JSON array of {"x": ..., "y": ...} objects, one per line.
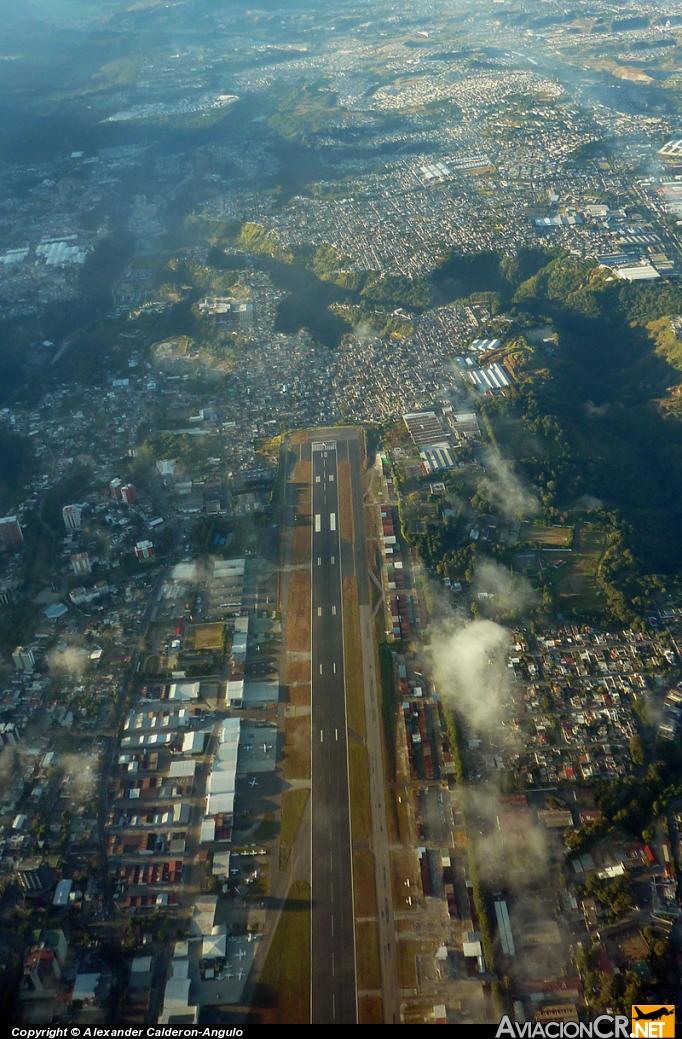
[{"x": 333, "y": 991}]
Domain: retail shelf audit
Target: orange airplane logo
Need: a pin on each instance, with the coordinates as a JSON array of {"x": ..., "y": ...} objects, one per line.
[{"x": 653, "y": 1021}]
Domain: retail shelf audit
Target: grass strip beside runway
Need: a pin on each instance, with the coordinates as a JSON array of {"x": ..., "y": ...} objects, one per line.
[
  {"x": 293, "y": 807},
  {"x": 298, "y": 613},
  {"x": 284, "y": 983},
  {"x": 297, "y": 748}
]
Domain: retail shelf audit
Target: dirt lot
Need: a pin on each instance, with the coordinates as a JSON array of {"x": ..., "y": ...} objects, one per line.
[
  {"x": 299, "y": 695},
  {"x": 370, "y": 1010},
  {"x": 298, "y": 671}
]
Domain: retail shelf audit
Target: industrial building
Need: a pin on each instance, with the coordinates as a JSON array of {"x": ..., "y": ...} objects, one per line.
[
  {"x": 425, "y": 429},
  {"x": 672, "y": 149},
  {"x": 221, "y": 781},
  {"x": 57, "y": 252},
  {"x": 504, "y": 926},
  {"x": 436, "y": 459},
  {"x": 465, "y": 425},
  {"x": 490, "y": 379}
]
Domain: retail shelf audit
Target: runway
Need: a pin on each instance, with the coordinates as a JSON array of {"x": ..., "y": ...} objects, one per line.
[{"x": 333, "y": 972}]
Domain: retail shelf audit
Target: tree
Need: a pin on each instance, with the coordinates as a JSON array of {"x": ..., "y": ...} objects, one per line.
[{"x": 637, "y": 750}]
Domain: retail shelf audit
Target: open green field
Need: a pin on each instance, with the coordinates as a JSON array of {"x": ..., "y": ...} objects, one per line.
[
  {"x": 576, "y": 580},
  {"x": 552, "y": 537},
  {"x": 206, "y": 636}
]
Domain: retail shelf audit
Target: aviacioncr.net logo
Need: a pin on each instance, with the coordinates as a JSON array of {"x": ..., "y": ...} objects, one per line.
[
  {"x": 653, "y": 1021},
  {"x": 605, "y": 1026}
]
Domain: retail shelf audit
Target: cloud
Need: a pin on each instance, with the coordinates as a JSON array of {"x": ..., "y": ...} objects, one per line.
[
  {"x": 500, "y": 593},
  {"x": 517, "y": 856},
  {"x": 80, "y": 776},
  {"x": 588, "y": 501},
  {"x": 593, "y": 410},
  {"x": 505, "y": 491},
  {"x": 469, "y": 666},
  {"x": 364, "y": 332},
  {"x": 70, "y": 660},
  {"x": 15, "y": 766}
]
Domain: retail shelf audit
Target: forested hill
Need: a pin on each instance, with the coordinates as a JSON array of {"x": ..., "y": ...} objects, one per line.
[{"x": 601, "y": 409}]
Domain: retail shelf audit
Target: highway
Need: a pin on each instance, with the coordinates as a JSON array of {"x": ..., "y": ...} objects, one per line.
[{"x": 333, "y": 975}]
